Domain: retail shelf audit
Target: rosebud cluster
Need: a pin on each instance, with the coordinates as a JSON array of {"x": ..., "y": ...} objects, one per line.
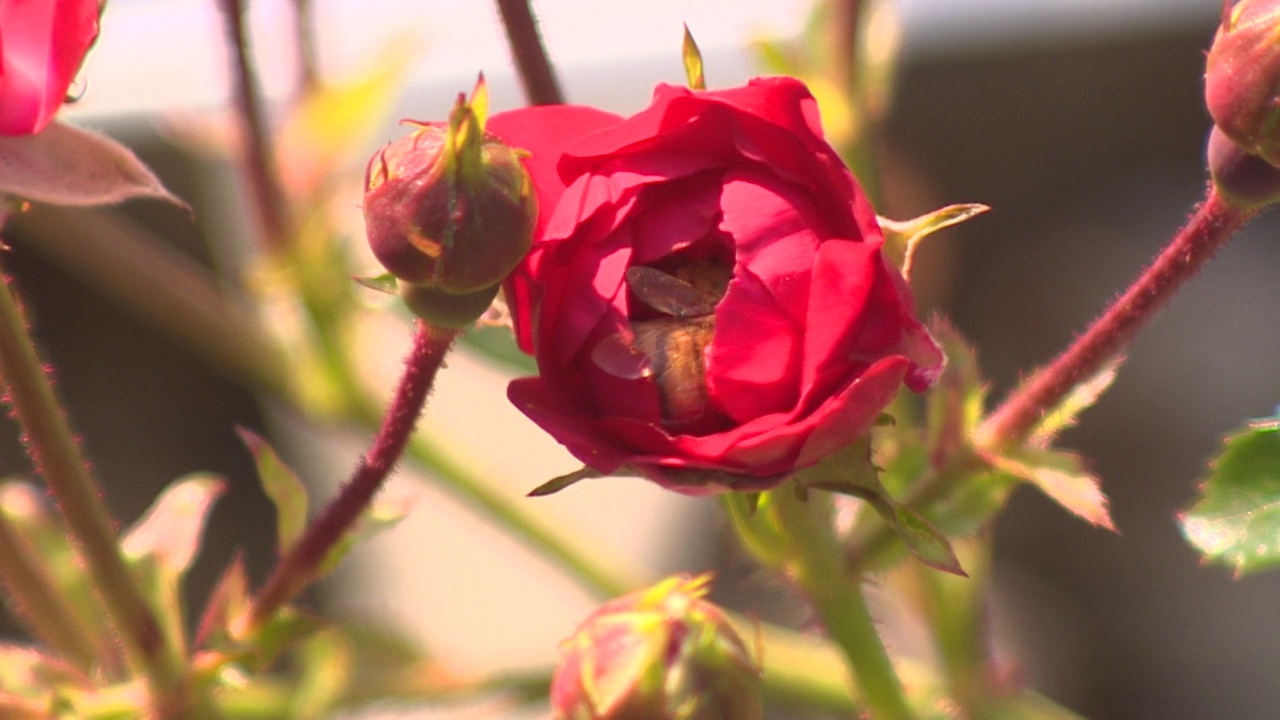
[
  {"x": 1242, "y": 92},
  {"x": 660, "y": 653},
  {"x": 449, "y": 211}
]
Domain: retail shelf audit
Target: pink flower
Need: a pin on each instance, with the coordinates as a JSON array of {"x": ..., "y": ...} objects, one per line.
[
  {"x": 42, "y": 43},
  {"x": 706, "y": 297}
]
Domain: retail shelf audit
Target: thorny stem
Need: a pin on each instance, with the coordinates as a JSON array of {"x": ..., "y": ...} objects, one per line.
[
  {"x": 534, "y": 65},
  {"x": 430, "y": 345},
  {"x": 1213, "y": 223},
  {"x": 57, "y": 457},
  {"x": 258, "y": 160}
]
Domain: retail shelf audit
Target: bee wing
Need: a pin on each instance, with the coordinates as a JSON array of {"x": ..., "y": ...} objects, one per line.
[
  {"x": 617, "y": 355},
  {"x": 668, "y": 294}
]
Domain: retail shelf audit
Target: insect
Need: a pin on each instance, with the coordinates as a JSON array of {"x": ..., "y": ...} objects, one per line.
[{"x": 668, "y": 349}]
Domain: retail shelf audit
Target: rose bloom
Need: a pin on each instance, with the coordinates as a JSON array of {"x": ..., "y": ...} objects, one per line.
[
  {"x": 706, "y": 298},
  {"x": 42, "y": 43}
]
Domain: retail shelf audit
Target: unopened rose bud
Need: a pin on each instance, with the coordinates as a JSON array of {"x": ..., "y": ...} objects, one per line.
[
  {"x": 659, "y": 653},
  {"x": 1242, "y": 77},
  {"x": 449, "y": 208}
]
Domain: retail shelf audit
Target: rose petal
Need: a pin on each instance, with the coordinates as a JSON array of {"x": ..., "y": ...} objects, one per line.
[{"x": 43, "y": 45}]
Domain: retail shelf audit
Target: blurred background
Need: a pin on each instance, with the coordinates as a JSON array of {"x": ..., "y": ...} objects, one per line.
[{"x": 1079, "y": 122}]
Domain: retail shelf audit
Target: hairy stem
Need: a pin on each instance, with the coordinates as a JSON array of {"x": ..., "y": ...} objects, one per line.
[
  {"x": 57, "y": 457},
  {"x": 34, "y": 596},
  {"x": 1213, "y": 223},
  {"x": 532, "y": 62},
  {"x": 298, "y": 566}
]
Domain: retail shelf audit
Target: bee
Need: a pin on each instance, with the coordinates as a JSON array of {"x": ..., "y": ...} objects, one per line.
[{"x": 668, "y": 349}]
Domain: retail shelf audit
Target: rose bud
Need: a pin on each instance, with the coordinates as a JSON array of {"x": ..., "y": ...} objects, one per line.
[
  {"x": 706, "y": 298},
  {"x": 42, "y": 44},
  {"x": 449, "y": 208},
  {"x": 662, "y": 652},
  {"x": 1242, "y": 77}
]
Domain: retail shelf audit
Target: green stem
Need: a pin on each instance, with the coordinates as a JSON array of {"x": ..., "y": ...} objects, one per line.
[
  {"x": 817, "y": 566},
  {"x": 57, "y": 457}
]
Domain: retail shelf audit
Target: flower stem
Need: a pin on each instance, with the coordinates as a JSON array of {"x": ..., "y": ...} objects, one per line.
[
  {"x": 34, "y": 596},
  {"x": 259, "y": 164},
  {"x": 532, "y": 62},
  {"x": 56, "y": 456},
  {"x": 817, "y": 566},
  {"x": 1213, "y": 223},
  {"x": 298, "y": 566}
]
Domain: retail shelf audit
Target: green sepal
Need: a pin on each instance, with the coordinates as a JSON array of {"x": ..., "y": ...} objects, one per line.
[
  {"x": 282, "y": 487},
  {"x": 692, "y": 58},
  {"x": 901, "y": 238},
  {"x": 386, "y": 283},
  {"x": 555, "y": 485},
  {"x": 1236, "y": 520},
  {"x": 851, "y": 472}
]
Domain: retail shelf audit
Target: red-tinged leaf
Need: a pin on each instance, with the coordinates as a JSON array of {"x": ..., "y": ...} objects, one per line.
[
  {"x": 171, "y": 530},
  {"x": 282, "y": 487},
  {"x": 1081, "y": 397},
  {"x": 384, "y": 514},
  {"x": 1063, "y": 478},
  {"x": 1236, "y": 521},
  {"x": 228, "y": 600},
  {"x": 64, "y": 165}
]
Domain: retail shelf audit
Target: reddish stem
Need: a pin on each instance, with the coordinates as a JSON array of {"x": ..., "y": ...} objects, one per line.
[
  {"x": 295, "y": 570},
  {"x": 1213, "y": 223},
  {"x": 258, "y": 156},
  {"x": 536, "y": 74}
]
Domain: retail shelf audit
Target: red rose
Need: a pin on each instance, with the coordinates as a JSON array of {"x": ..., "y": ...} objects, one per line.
[
  {"x": 42, "y": 43},
  {"x": 706, "y": 297}
]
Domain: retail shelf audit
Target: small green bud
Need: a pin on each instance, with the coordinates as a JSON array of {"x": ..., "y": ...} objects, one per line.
[
  {"x": 1242, "y": 77},
  {"x": 448, "y": 206},
  {"x": 662, "y": 653}
]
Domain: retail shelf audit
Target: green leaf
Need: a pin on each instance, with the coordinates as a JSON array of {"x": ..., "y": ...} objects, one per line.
[
  {"x": 926, "y": 543},
  {"x": 384, "y": 514},
  {"x": 1061, "y": 476},
  {"x": 692, "y": 57},
  {"x": 1236, "y": 521},
  {"x": 165, "y": 541},
  {"x": 282, "y": 487},
  {"x": 901, "y": 238},
  {"x": 171, "y": 529}
]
